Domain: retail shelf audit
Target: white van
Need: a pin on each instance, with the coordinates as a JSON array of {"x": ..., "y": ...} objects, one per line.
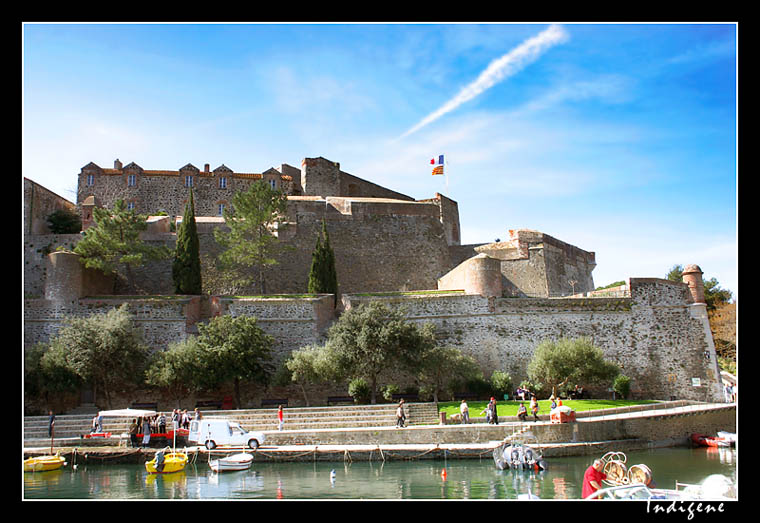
[{"x": 221, "y": 432}]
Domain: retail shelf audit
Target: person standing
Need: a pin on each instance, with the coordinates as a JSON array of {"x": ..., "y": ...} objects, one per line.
[
  {"x": 280, "y": 418},
  {"x": 162, "y": 423},
  {"x": 592, "y": 478},
  {"x": 400, "y": 414},
  {"x": 134, "y": 429},
  {"x": 146, "y": 431},
  {"x": 464, "y": 410},
  {"x": 51, "y": 424}
]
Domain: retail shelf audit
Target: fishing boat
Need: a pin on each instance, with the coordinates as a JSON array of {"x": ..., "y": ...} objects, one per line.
[
  {"x": 723, "y": 439},
  {"x": 166, "y": 461},
  {"x": 519, "y": 453},
  {"x": 44, "y": 463},
  {"x": 239, "y": 461}
]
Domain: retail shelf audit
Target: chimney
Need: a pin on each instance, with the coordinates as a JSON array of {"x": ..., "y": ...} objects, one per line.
[
  {"x": 205, "y": 168},
  {"x": 117, "y": 164}
]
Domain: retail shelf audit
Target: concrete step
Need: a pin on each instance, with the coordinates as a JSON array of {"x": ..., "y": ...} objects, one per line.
[{"x": 302, "y": 418}]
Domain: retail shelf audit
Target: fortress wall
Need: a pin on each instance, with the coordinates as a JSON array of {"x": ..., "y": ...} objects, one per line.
[
  {"x": 36, "y": 265},
  {"x": 292, "y": 322},
  {"x": 39, "y": 203},
  {"x": 162, "y": 321},
  {"x": 378, "y": 247},
  {"x": 350, "y": 185},
  {"x": 660, "y": 346}
]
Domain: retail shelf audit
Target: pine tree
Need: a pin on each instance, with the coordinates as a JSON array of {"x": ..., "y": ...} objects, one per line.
[
  {"x": 186, "y": 269},
  {"x": 323, "y": 277}
]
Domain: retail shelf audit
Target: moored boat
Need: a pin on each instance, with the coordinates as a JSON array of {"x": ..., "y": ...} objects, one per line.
[
  {"x": 637, "y": 482},
  {"x": 44, "y": 463},
  {"x": 234, "y": 462},
  {"x": 723, "y": 439},
  {"x": 517, "y": 453},
  {"x": 714, "y": 487},
  {"x": 166, "y": 462}
]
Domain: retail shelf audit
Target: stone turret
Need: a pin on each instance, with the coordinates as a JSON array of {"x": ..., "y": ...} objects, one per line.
[
  {"x": 320, "y": 177},
  {"x": 692, "y": 276}
]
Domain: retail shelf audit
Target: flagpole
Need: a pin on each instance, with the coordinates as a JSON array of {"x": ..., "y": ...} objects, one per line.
[{"x": 446, "y": 172}]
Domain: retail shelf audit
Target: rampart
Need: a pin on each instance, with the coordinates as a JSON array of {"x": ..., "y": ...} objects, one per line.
[{"x": 657, "y": 335}]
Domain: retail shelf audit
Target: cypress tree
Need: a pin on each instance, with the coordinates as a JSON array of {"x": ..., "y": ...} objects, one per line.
[
  {"x": 186, "y": 269},
  {"x": 323, "y": 277}
]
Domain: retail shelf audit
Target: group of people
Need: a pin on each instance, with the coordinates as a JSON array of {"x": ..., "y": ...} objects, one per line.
[
  {"x": 491, "y": 412},
  {"x": 156, "y": 424},
  {"x": 492, "y": 415}
]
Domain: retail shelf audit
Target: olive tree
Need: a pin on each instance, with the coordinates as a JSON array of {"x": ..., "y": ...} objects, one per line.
[{"x": 556, "y": 363}]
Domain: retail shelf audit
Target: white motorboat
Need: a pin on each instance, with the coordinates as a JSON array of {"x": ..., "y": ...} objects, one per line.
[
  {"x": 239, "y": 461},
  {"x": 714, "y": 487}
]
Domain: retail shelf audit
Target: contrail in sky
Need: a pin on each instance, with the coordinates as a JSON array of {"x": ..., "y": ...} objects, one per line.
[{"x": 501, "y": 68}]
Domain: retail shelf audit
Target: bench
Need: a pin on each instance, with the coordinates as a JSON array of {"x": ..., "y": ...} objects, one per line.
[
  {"x": 144, "y": 406},
  {"x": 339, "y": 399},
  {"x": 466, "y": 396},
  {"x": 208, "y": 404},
  {"x": 405, "y": 397},
  {"x": 273, "y": 402}
]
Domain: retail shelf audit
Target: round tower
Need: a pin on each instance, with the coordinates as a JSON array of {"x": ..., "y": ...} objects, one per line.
[
  {"x": 692, "y": 276},
  {"x": 483, "y": 276}
]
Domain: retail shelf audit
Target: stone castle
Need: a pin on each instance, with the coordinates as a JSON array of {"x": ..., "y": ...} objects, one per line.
[{"x": 495, "y": 301}]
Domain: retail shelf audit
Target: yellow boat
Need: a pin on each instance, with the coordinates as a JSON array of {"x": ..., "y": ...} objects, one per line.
[
  {"x": 44, "y": 463},
  {"x": 166, "y": 463}
]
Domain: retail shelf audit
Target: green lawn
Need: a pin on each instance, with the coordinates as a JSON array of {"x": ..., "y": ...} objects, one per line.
[{"x": 509, "y": 408}]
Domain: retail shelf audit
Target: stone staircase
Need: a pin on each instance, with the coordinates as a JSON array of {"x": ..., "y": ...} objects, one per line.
[{"x": 301, "y": 418}]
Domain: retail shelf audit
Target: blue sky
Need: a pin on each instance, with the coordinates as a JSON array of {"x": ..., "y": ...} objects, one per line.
[{"x": 617, "y": 138}]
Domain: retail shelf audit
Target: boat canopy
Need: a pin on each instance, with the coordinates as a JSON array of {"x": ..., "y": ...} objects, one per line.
[{"x": 134, "y": 413}]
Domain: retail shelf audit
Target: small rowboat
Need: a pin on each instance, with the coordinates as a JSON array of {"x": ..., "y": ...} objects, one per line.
[
  {"x": 240, "y": 461},
  {"x": 166, "y": 463},
  {"x": 44, "y": 463},
  {"x": 722, "y": 440}
]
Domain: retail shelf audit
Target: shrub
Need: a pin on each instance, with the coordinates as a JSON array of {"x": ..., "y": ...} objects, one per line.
[
  {"x": 389, "y": 391},
  {"x": 622, "y": 385},
  {"x": 501, "y": 383},
  {"x": 359, "y": 390}
]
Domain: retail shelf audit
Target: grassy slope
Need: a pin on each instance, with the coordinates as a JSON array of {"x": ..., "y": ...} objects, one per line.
[{"x": 509, "y": 408}]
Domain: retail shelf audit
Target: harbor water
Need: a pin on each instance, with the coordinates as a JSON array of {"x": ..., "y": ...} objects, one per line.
[{"x": 391, "y": 480}]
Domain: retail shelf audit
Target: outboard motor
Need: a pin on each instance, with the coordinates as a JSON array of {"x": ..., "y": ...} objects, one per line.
[{"x": 160, "y": 460}]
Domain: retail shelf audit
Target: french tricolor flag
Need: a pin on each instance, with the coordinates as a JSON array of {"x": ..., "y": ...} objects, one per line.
[{"x": 438, "y": 169}]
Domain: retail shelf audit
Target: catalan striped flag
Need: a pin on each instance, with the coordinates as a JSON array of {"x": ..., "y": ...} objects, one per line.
[{"x": 438, "y": 169}]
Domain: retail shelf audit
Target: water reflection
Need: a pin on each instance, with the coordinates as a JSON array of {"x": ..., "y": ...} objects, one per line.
[{"x": 457, "y": 479}]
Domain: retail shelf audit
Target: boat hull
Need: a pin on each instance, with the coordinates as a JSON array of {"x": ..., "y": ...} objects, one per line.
[
  {"x": 707, "y": 441},
  {"x": 518, "y": 457},
  {"x": 231, "y": 463},
  {"x": 173, "y": 462},
  {"x": 43, "y": 463}
]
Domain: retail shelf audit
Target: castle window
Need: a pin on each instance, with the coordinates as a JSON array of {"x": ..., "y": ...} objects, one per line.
[
  {"x": 131, "y": 180},
  {"x": 273, "y": 183},
  {"x": 130, "y": 206},
  {"x": 90, "y": 179},
  {"x": 188, "y": 181},
  {"x": 221, "y": 209},
  {"x": 223, "y": 182}
]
